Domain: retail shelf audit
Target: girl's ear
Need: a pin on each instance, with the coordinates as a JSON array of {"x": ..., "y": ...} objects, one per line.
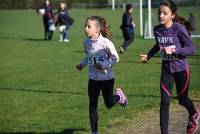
[
  {"x": 173, "y": 16},
  {"x": 97, "y": 29}
]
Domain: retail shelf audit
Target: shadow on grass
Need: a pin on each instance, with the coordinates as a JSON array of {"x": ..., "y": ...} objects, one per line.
[
  {"x": 153, "y": 63},
  {"x": 195, "y": 56},
  {"x": 41, "y": 40},
  {"x": 158, "y": 96},
  {"x": 144, "y": 95},
  {"x": 65, "y": 131},
  {"x": 139, "y": 62},
  {"x": 29, "y": 90},
  {"x": 34, "y": 39},
  {"x": 42, "y": 91},
  {"x": 70, "y": 131},
  {"x": 9, "y": 38},
  {"x": 149, "y": 96},
  {"x": 195, "y": 100},
  {"x": 27, "y": 39}
]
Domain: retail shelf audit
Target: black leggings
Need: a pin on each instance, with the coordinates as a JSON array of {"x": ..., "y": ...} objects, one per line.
[
  {"x": 128, "y": 37},
  {"x": 181, "y": 80},
  {"x": 47, "y": 33},
  {"x": 110, "y": 100}
]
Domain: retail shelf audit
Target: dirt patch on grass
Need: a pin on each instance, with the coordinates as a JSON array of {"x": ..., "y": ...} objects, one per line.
[{"x": 149, "y": 122}]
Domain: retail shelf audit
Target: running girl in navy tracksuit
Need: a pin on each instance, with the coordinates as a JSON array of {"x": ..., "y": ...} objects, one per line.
[
  {"x": 47, "y": 19},
  {"x": 175, "y": 44},
  {"x": 64, "y": 21},
  {"x": 128, "y": 28},
  {"x": 101, "y": 55}
]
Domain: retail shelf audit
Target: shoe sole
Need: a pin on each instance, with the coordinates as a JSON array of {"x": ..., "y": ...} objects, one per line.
[
  {"x": 125, "y": 103},
  {"x": 126, "y": 100},
  {"x": 198, "y": 118},
  {"x": 194, "y": 130}
]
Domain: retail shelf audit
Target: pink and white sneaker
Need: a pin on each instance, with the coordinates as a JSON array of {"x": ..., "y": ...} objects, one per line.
[
  {"x": 123, "y": 100},
  {"x": 193, "y": 123},
  {"x": 196, "y": 116}
]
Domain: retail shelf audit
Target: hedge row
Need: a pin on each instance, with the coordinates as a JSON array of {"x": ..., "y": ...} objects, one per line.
[{"x": 27, "y": 4}]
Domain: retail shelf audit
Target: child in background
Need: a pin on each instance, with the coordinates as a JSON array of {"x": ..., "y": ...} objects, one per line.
[
  {"x": 64, "y": 21},
  {"x": 101, "y": 55},
  {"x": 128, "y": 28},
  {"x": 175, "y": 44},
  {"x": 46, "y": 10}
]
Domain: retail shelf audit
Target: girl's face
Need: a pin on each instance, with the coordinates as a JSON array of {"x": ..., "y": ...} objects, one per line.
[
  {"x": 165, "y": 16},
  {"x": 47, "y": 2},
  {"x": 62, "y": 6},
  {"x": 131, "y": 10},
  {"x": 91, "y": 29}
]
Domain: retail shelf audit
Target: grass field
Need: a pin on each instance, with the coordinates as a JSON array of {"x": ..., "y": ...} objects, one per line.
[{"x": 42, "y": 92}]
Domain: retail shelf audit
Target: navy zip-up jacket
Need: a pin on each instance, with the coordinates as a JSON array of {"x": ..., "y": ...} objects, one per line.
[
  {"x": 127, "y": 20},
  {"x": 48, "y": 12}
]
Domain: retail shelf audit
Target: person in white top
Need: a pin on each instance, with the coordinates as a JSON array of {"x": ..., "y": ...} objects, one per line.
[{"x": 101, "y": 55}]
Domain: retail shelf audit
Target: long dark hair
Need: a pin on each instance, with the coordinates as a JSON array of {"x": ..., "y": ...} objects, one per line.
[
  {"x": 128, "y": 7},
  {"x": 102, "y": 23},
  {"x": 172, "y": 6}
]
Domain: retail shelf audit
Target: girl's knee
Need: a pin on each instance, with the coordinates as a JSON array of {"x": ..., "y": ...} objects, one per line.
[
  {"x": 93, "y": 106},
  {"x": 108, "y": 105},
  {"x": 183, "y": 101}
]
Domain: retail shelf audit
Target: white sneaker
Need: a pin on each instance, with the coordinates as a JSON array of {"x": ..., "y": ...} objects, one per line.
[
  {"x": 121, "y": 50},
  {"x": 61, "y": 37},
  {"x": 66, "y": 40}
]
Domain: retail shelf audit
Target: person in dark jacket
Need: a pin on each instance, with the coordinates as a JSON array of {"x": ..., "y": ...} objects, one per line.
[
  {"x": 127, "y": 28},
  {"x": 46, "y": 10},
  {"x": 64, "y": 21}
]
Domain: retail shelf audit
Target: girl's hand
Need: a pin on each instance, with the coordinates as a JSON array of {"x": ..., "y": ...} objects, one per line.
[
  {"x": 133, "y": 24},
  {"x": 79, "y": 67},
  {"x": 98, "y": 66},
  {"x": 144, "y": 58},
  {"x": 170, "y": 49}
]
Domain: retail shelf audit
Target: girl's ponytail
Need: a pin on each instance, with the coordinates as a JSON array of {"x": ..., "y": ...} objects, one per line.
[
  {"x": 188, "y": 24},
  {"x": 104, "y": 28},
  {"x": 185, "y": 22},
  {"x": 102, "y": 24}
]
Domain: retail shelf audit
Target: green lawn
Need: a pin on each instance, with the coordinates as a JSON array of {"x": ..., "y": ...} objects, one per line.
[{"x": 42, "y": 92}]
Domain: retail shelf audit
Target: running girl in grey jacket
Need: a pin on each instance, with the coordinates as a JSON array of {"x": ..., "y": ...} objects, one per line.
[{"x": 101, "y": 55}]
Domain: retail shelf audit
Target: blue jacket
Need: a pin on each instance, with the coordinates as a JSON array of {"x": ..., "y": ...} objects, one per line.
[{"x": 64, "y": 18}]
